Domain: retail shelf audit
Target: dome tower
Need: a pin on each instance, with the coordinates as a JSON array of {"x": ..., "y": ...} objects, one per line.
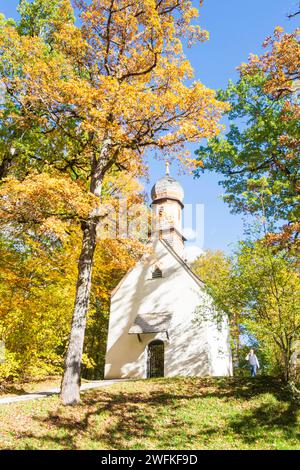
[{"x": 167, "y": 203}]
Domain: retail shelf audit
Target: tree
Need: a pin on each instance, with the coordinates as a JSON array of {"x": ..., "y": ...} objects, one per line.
[
  {"x": 27, "y": 145},
  {"x": 258, "y": 288},
  {"x": 280, "y": 64},
  {"x": 294, "y": 13},
  {"x": 38, "y": 278},
  {"x": 259, "y": 156},
  {"x": 37, "y": 287},
  {"x": 40, "y": 18},
  {"x": 269, "y": 286},
  {"x": 215, "y": 269},
  {"x": 36, "y": 290},
  {"x": 103, "y": 93}
]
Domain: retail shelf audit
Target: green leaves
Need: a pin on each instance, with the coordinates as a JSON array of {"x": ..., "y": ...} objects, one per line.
[
  {"x": 255, "y": 157},
  {"x": 259, "y": 160},
  {"x": 259, "y": 289},
  {"x": 39, "y": 17}
]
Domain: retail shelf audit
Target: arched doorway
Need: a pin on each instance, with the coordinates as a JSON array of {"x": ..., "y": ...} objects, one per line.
[{"x": 156, "y": 359}]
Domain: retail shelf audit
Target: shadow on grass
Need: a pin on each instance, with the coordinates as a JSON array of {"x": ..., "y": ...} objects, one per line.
[
  {"x": 11, "y": 390},
  {"x": 126, "y": 419}
]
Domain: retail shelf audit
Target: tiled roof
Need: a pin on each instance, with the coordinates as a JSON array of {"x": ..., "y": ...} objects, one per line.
[{"x": 167, "y": 187}]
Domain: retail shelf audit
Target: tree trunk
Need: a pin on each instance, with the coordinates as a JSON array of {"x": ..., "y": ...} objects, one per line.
[
  {"x": 286, "y": 365},
  {"x": 286, "y": 372},
  {"x": 70, "y": 388},
  {"x": 236, "y": 342}
]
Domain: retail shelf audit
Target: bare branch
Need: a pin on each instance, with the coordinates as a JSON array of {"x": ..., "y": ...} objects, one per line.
[{"x": 292, "y": 15}]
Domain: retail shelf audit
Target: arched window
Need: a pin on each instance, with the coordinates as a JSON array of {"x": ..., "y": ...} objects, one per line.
[
  {"x": 156, "y": 273},
  {"x": 156, "y": 359}
]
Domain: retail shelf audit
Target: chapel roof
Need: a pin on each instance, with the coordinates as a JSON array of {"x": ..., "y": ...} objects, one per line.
[
  {"x": 184, "y": 265},
  {"x": 167, "y": 188}
]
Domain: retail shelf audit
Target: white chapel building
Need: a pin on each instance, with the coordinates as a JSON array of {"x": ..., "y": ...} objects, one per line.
[{"x": 153, "y": 326}]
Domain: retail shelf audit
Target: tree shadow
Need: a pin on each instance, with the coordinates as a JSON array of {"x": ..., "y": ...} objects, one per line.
[
  {"x": 126, "y": 419},
  {"x": 265, "y": 418},
  {"x": 11, "y": 390}
]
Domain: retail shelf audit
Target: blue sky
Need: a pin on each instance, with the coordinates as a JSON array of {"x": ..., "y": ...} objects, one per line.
[{"x": 237, "y": 28}]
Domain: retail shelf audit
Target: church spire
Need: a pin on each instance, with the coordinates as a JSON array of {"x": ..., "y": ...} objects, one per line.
[
  {"x": 167, "y": 204},
  {"x": 167, "y": 168}
]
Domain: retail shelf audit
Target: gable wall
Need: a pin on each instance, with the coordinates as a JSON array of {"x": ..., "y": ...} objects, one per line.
[{"x": 187, "y": 351}]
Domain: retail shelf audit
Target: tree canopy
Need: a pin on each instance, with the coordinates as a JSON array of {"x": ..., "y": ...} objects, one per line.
[
  {"x": 86, "y": 99},
  {"x": 258, "y": 288},
  {"x": 259, "y": 156}
]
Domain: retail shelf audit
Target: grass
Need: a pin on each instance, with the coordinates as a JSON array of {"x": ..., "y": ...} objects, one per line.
[
  {"x": 22, "y": 388},
  {"x": 15, "y": 389},
  {"x": 180, "y": 413}
]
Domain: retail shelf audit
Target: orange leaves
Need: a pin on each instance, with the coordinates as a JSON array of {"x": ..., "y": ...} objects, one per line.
[
  {"x": 48, "y": 202},
  {"x": 198, "y": 116},
  {"x": 281, "y": 63},
  {"x": 118, "y": 77},
  {"x": 287, "y": 238},
  {"x": 121, "y": 72}
]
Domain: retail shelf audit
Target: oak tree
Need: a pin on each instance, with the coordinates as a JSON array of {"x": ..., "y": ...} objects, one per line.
[{"x": 101, "y": 92}]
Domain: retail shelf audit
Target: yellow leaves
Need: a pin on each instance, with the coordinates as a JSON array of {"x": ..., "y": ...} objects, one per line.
[
  {"x": 174, "y": 70},
  {"x": 53, "y": 225},
  {"x": 70, "y": 42},
  {"x": 36, "y": 302},
  {"x": 122, "y": 184},
  {"x": 281, "y": 63},
  {"x": 49, "y": 201},
  {"x": 121, "y": 72},
  {"x": 196, "y": 33},
  {"x": 201, "y": 119},
  {"x": 198, "y": 163},
  {"x": 278, "y": 31},
  {"x": 87, "y": 361},
  {"x": 177, "y": 47}
]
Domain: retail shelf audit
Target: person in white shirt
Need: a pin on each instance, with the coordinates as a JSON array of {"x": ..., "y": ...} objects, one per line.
[{"x": 253, "y": 362}]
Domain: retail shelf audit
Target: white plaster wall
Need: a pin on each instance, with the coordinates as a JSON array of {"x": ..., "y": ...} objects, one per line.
[
  {"x": 170, "y": 217},
  {"x": 188, "y": 350},
  {"x": 220, "y": 350}
]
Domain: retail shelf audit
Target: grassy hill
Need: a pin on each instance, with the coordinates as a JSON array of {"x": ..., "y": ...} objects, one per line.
[{"x": 180, "y": 413}]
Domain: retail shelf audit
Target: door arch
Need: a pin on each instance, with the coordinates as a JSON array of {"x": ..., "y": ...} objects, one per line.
[{"x": 156, "y": 359}]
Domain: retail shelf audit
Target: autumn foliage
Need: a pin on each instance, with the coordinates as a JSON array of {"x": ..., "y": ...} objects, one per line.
[
  {"x": 87, "y": 99},
  {"x": 259, "y": 156},
  {"x": 281, "y": 66}
]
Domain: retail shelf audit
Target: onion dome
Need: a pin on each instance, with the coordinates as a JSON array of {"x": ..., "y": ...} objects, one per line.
[{"x": 167, "y": 188}]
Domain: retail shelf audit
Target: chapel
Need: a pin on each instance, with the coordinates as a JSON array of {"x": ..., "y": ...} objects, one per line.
[{"x": 160, "y": 323}]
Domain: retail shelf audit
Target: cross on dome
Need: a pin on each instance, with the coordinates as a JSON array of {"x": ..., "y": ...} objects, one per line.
[{"x": 167, "y": 188}]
